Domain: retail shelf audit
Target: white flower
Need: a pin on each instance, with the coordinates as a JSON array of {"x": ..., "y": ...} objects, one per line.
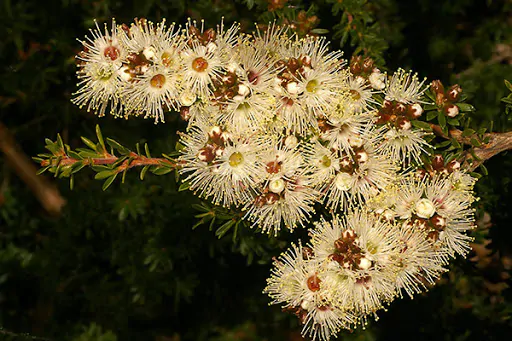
[
  {"x": 199, "y": 67},
  {"x": 153, "y": 93},
  {"x": 377, "y": 79},
  {"x": 404, "y": 87}
]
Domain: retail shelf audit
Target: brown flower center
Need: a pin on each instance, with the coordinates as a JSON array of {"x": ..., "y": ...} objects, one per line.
[
  {"x": 157, "y": 81},
  {"x": 200, "y": 64},
  {"x": 111, "y": 52}
]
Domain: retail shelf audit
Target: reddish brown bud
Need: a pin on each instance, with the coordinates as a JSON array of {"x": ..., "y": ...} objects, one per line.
[
  {"x": 453, "y": 93},
  {"x": 437, "y": 87},
  {"x": 403, "y": 123},
  {"x": 368, "y": 64},
  {"x": 438, "y": 222},
  {"x": 206, "y": 154},
  {"x": 209, "y": 35},
  {"x": 453, "y": 166},
  {"x": 307, "y": 253},
  {"x": 438, "y": 162},
  {"x": 451, "y": 110},
  {"x": 293, "y": 64},
  {"x": 185, "y": 113}
]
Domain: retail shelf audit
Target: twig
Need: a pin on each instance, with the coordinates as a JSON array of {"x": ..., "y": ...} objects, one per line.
[
  {"x": 497, "y": 143},
  {"x": 108, "y": 159},
  {"x": 46, "y": 193}
]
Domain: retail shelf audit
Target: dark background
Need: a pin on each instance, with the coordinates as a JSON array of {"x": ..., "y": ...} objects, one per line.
[{"x": 125, "y": 264}]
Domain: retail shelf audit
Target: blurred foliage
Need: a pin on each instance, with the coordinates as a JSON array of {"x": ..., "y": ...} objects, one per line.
[{"x": 126, "y": 264}]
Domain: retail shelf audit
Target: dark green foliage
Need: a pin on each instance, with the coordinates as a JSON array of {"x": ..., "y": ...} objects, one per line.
[{"x": 146, "y": 260}]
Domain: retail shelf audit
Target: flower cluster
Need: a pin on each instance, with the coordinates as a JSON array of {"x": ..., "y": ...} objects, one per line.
[
  {"x": 279, "y": 125},
  {"x": 353, "y": 266}
]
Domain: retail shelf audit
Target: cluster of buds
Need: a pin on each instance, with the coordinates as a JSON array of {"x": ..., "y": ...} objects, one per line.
[
  {"x": 279, "y": 125},
  {"x": 446, "y": 99}
]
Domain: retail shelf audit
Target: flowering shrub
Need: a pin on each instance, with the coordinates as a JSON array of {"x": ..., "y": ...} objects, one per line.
[{"x": 290, "y": 134}]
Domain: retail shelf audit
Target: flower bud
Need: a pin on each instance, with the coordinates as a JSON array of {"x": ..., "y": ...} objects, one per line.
[
  {"x": 276, "y": 186},
  {"x": 343, "y": 181},
  {"x": 187, "y": 98},
  {"x": 425, "y": 208},
  {"x": 453, "y": 165},
  {"x": 376, "y": 80},
  {"x": 438, "y": 162},
  {"x": 365, "y": 263},
  {"x": 453, "y": 94},
  {"x": 291, "y": 141},
  {"x": 437, "y": 87},
  {"x": 355, "y": 141},
  {"x": 415, "y": 110},
  {"x": 451, "y": 110},
  {"x": 438, "y": 222},
  {"x": 403, "y": 123},
  {"x": 361, "y": 156}
]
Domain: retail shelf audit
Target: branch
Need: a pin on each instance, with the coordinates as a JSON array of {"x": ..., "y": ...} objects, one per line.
[
  {"x": 495, "y": 144},
  {"x": 64, "y": 162},
  {"x": 109, "y": 159},
  {"x": 45, "y": 192}
]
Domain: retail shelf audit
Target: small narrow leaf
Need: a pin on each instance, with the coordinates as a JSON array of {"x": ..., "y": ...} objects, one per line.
[
  {"x": 100, "y": 137},
  {"x": 442, "y": 119},
  {"x": 466, "y": 107},
  {"x": 144, "y": 171},
  {"x": 105, "y": 174},
  {"x": 184, "y": 186},
  {"x": 109, "y": 182},
  {"x": 89, "y": 143}
]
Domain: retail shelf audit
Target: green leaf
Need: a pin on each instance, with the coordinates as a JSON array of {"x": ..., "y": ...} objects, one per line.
[
  {"x": 71, "y": 182},
  {"x": 100, "y": 137},
  {"x": 484, "y": 169},
  {"x": 508, "y": 85},
  {"x": 453, "y": 121},
  {"x": 144, "y": 171},
  {"x": 116, "y": 145},
  {"x": 42, "y": 170},
  {"x": 442, "y": 119},
  {"x": 146, "y": 149},
  {"x": 109, "y": 182},
  {"x": 431, "y": 115},
  {"x": 184, "y": 186},
  {"x": 468, "y": 132},
  {"x": 466, "y": 107},
  {"x": 78, "y": 166},
  {"x": 224, "y": 228},
  {"x": 421, "y": 125},
  {"x": 475, "y": 142},
  {"x": 161, "y": 170},
  {"x": 89, "y": 143},
  {"x": 105, "y": 174},
  {"x": 319, "y": 31},
  {"x": 443, "y": 144}
]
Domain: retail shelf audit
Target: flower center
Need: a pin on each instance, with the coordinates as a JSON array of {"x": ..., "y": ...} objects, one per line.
[
  {"x": 157, "y": 81},
  {"x": 200, "y": 64},
  {"x": 312, "y": 86},
  {"x": 313, "y": 283},
  {"x": 111, "y": 52},
  {"x": 326, "y": 161},
  {"x": 355, "y": 94},
  {"x": 236, "y": 159},
  {"x": 167, "y": 59}
]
